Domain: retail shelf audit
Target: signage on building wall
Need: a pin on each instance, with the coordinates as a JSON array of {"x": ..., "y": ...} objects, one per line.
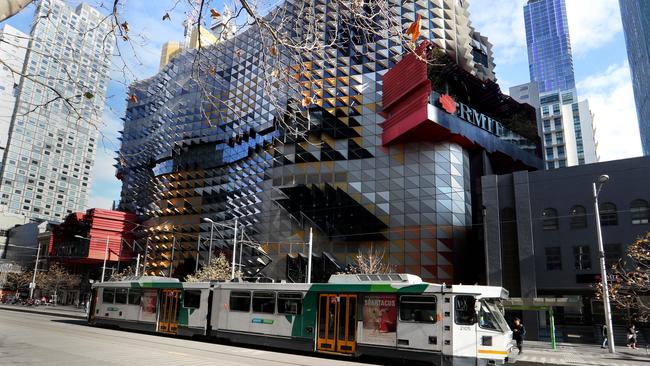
[{"x": 470, "y": 115}]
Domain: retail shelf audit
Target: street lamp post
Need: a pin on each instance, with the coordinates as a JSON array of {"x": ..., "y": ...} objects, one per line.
[
  {"x": 603, "y": 268},
  {"x": 198, "y": 251},
  {"x": 32, "y": 285},
  {"x": 105, "y": 253},
  {"x": 171, "y": 263},
  {"x": 234, "y": 243},
  {"x": 146, "y": 252},
  {"x": 105, "y": 258}
]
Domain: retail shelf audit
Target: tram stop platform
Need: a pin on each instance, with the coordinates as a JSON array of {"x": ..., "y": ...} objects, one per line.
[{"x": 541, "y": 353}]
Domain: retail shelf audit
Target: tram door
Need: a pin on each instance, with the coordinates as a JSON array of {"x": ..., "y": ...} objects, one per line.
[
  {"x": 168, "y": 321},
  {"x": 337, "y": 323}
]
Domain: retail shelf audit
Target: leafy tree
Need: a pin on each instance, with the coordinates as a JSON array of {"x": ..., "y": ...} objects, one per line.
[
  {"x": 57, "y": 278},
  {"x": 629, "y": 285},
  {"x": 218, "y": 270},
  {"x": 18, "y": 280},
  {"x": 370, "y": 262},
  {"x": 126, "y": 272}
]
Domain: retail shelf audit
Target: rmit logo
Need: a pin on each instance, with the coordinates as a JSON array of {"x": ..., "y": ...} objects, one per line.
[{"x": 448, "y": 103}]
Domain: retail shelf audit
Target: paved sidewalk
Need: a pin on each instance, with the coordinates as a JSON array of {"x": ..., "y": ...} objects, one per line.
[
  {"x": 59, "y": 310},
  {"x": 580, "y": 354}
]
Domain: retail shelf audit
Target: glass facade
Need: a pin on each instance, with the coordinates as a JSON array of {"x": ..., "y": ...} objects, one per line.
[
  {"x": 53, "y": 134},
  {"x": 636, "y": 25},
  {"x": 549, "y": 48},
  {"x": 184, "y": 160}
]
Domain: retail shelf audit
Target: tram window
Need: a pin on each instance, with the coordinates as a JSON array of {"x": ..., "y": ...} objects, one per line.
[
  {"x": 464, "y": 312},
  {"x": 135, "y": 296},
  {"x": 120, "y": 295},
  {"x": 486, "y": 318},
  {"x": 421, "y": 309},
  {"x": 192, "y": 299},
  {"x": 240, "y": 301},
  {"x": 264, "y": 302},
  {"x": 289, "y": 303},
  {"x": 108, "y": 295}
]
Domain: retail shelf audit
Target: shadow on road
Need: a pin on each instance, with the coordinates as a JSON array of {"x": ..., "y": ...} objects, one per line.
[{"x": 70, "y": 321}]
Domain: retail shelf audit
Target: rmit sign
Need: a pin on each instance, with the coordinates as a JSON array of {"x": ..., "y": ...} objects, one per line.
[{"x": 470, "y": 115}]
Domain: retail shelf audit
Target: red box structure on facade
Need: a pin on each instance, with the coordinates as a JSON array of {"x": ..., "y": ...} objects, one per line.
[{"x": 82, "y": 237}]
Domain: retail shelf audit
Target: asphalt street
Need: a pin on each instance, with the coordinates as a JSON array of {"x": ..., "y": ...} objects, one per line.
[
  {"x": 43, "y": 339},
  {"x": 34, "y": 339}
]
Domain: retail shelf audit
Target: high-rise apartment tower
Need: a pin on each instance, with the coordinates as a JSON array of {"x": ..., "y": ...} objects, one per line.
[{"x": 46, "y": 171}]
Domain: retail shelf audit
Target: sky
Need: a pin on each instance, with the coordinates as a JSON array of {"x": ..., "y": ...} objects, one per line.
[{"x": 599, "y": 56}]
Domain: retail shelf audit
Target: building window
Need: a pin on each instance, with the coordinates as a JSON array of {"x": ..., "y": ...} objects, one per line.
[
  {"x": 553, "y": 258},
  {"x": 640, "y": 212},
  {"x": 613, "y": 253},
  {"x": 608, "y": 214},
  {"x": 549, "y": 219},
  {"x": 582, "y": 257},
  {"x": 578, "y": 216}
]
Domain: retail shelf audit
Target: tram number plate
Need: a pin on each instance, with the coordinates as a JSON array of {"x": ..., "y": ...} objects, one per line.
[{"x": 465, "y": 327}]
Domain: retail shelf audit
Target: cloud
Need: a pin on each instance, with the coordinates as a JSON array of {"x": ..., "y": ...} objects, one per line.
[
  {"x": 502, "y": 21},
  {"x": 611, "y": 99},
  {"x": 592, "y": 24}
]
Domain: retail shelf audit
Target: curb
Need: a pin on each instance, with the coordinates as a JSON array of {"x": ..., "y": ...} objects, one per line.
[{"x": 44, "y": 312}]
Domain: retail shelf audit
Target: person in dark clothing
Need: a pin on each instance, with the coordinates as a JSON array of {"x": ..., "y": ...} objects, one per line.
[
  {"x": 518, "y": 333},
  {"x": 604, "y": 331},
  {"x": 631, "y": 336}
]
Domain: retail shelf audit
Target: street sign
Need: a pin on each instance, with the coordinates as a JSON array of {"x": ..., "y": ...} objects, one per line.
[{"x": 32, "y": 285}]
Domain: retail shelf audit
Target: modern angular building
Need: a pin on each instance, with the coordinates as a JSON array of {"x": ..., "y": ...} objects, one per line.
[
  {"x": 567, "y": 124},
  {"x": 46, "y": 170},
  {"x": 389, "y": 154},
  {"x": 636, "y": 26},
  {"x": 12, "y": 53}
]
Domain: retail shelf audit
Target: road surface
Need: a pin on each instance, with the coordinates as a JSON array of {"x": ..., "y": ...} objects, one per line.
[{"x": 34, "y": 339}]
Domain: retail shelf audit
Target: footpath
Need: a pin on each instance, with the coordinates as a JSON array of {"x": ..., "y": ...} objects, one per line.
[
  {"x": 59, "y": 310},
  {"x": 540, "y": 353}
]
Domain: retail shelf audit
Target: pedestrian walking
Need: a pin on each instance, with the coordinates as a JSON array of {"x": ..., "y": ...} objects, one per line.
[
  {"x": 604, "y": 331},
  {"x": 518, "y": 333},
  {"x": 631, "y": 336}
]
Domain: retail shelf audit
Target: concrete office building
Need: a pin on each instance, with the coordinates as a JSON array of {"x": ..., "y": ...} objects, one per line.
[
  {"x": 387, "y": 162},
  {"x": 13, "y": 47},
  {"x": 7, "y": 222},
  {"x": 46, "y": 171},
  {"x": 528, "y": 93},
  {"x": 636, "y": 26},
  {"x": 540, "y": 230},
  {"x": 567, "y": 123}
]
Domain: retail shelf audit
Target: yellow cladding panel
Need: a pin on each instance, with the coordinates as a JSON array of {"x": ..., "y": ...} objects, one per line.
[{"x": 169, "y": 50}]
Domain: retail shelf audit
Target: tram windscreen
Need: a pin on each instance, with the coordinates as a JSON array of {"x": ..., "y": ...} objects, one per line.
[{"x": 490, "y": 317}]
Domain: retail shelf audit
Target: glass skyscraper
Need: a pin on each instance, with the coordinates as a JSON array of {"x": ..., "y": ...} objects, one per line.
[
  {"x": 566, "y": 123},
  {"x": 54, "y": 128},
  {"x": 549, "y": 49},
  {"x": 636, "y": 25}
]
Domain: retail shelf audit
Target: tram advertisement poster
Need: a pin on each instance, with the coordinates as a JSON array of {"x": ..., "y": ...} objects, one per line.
[
  {"x": 380, "y": 319},
  {"x": 149, "y": 301}
]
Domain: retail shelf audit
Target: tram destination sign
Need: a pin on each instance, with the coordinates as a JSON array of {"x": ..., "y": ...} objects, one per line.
[{"x": 470, "y": 114}]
